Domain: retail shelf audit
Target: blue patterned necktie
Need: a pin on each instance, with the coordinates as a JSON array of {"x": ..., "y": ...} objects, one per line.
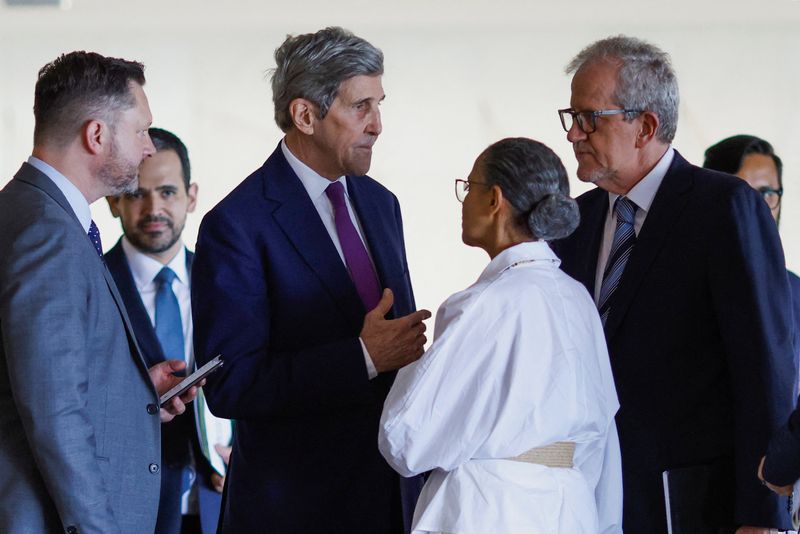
[
  {"x": 169, "y": 327},
  {"x": 94, "y": 236},
  {"x": 621, "y": 248}
]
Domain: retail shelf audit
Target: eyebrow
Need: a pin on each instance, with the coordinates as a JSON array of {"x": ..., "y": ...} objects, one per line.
[
  {"x": 167, "y": 187},
  {"x": 368, "y": 99}
]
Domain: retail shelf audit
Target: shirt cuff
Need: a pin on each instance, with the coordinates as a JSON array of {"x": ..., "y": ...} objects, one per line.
[{"x": 371, "y": 371}]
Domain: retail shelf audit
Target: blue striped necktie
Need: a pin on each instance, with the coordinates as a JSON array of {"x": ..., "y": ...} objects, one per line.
[{"x": 621, "y": 248}]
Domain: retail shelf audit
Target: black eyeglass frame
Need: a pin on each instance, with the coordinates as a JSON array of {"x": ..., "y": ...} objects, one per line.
[
  {"x": 767, "y": 192},
  {"x": 579, "y": 117}
]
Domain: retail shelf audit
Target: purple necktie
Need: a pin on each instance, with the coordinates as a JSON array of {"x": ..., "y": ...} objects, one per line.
[
  {"x": 355, "y": 255},
  {"x": 94, "y": 236}
]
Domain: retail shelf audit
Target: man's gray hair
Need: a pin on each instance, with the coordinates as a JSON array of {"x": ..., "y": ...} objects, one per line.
[
  {"x": 646, "y": 80},
  {"x": 313, "y": 66}
]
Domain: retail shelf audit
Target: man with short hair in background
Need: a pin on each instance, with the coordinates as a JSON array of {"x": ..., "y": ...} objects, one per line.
[
  {"x": 688, "y": 273},
  {"x": 151, "y": 267},
  {"x": 294, "y": 274}
]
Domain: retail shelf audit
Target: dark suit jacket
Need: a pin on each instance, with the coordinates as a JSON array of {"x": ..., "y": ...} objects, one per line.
[
  {"x": 179, "y": 438},
  {"x": 700, "y": 343},
  {"x": 782, "y": 466},
  {"x": 79, "y": 420},
  {"x": 794, "y": 283},
  {"x": 271, "y": 294}
]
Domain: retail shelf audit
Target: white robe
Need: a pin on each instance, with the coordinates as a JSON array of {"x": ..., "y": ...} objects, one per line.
[{"x": 519, "y": 360}]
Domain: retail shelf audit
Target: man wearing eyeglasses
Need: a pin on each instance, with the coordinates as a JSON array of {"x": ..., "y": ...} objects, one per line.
[
  {"x": 754, "y": 160},
  {"x": 687, "y": 270}
]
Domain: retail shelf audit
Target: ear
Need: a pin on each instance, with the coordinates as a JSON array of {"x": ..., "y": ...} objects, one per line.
[
  {"x": 113, "y": 205},
  {"x": 95, "y": 135},
  {"x": 649, "y": 126},
  {"x": 303, "y": 114},
  {"x": 495, "y": 199},
  {"x": 191, "y": 193}
]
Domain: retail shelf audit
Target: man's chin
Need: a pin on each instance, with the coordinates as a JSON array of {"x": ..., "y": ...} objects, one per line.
[
  {"x": 126, "y": 185},
  {"x": 359, "y": 168},
  {"x": 591, "y": 176},
  {"x": 150, "y": 245}
]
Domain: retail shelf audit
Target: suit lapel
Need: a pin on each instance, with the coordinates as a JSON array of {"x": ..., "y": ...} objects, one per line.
[
  {"x": 140, "y": 320},
  {"x": 593, "y": 218},
  {"x": 36, "y": 178},
  {"x": 666, "y": 208},
  {"x": 298, "y": 218},
  {"x": 378, "y": 233}
]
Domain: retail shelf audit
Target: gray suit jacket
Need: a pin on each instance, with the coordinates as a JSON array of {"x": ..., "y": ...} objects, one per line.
[{"x": 79, "y": 422}]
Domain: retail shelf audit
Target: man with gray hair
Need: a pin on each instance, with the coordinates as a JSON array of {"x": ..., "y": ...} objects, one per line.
[
  {"x": 295, "y": 274},
  {"x": 687, "y": 271}
]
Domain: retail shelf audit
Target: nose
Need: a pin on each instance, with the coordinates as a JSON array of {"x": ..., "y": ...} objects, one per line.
[
  {"x": 575, "y": 134},
  {"x": 149, "y": 147},
  {"x": 374, "y": 126},
  {"x": 149, "y": 202}
]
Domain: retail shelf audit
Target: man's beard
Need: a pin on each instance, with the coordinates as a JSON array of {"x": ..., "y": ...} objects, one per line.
[
  {"x": 143, "y": 242},
  {"x": 117, "y": 175},
  {"x": 599, "y": 175}
]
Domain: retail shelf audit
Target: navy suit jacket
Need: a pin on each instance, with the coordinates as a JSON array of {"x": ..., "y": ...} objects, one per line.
[
  {"x": 782, "y": 466},
  {"x": 700, "y": 340},
  {"x": 179, "y": 436},
  {"x": 272, "y": 295}
]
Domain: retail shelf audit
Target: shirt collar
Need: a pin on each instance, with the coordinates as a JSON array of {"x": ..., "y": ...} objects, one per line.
[
  {"x": 144, "y": 268},
  {"x": 73, "y": 195},
  {"x": 521, "y": 254},
  {"x": 314, "y": 184},
  {"x": 643, "y": 193}
]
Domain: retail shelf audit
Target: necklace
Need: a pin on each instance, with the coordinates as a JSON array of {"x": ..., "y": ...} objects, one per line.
[{"x": 523, "y": 262}]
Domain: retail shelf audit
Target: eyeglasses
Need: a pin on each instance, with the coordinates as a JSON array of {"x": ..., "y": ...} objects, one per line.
[
  {"x": 462, "y": 188},
  {"x": 587, "y": 120},
  {"x": 771, "y": 196}
]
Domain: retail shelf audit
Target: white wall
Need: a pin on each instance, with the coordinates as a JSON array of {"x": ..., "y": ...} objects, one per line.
[{"x": 459, "y": 75}]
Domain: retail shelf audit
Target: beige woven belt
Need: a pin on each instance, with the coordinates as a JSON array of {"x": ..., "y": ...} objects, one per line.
[{"x": 558, "y": 454}]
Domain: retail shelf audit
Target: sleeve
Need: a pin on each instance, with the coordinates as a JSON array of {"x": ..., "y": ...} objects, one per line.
[
  {"x": 608, "y": 492},
  {"x": 44, "y": 289},
  {"x": 231, "y": 313},
  {"x": 470, "y": 385},
  {"x": 750, "y": 292},
  {"x": 782, "y": 465}
]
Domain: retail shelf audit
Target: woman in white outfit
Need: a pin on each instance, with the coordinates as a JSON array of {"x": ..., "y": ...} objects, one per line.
[{"x": 512, "y": 407}]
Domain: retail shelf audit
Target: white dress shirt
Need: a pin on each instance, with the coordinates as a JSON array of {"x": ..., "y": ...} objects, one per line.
[
  {"x": 315, "y": 185},
  {"x": 144, "y": 270},
  {"x": 518, "y": 361},
  {"x": 78, "y": 202},
  {"x": 642, "y": 195}
]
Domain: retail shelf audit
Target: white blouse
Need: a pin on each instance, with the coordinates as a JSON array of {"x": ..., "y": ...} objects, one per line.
[{"x": 518, "y": 361}]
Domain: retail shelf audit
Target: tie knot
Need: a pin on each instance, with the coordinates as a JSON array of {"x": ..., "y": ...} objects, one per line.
[
  {"x": 625, "y": 210},
  {"x": 335, "y": 193},
  {"x": 165, "y": 277}
]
